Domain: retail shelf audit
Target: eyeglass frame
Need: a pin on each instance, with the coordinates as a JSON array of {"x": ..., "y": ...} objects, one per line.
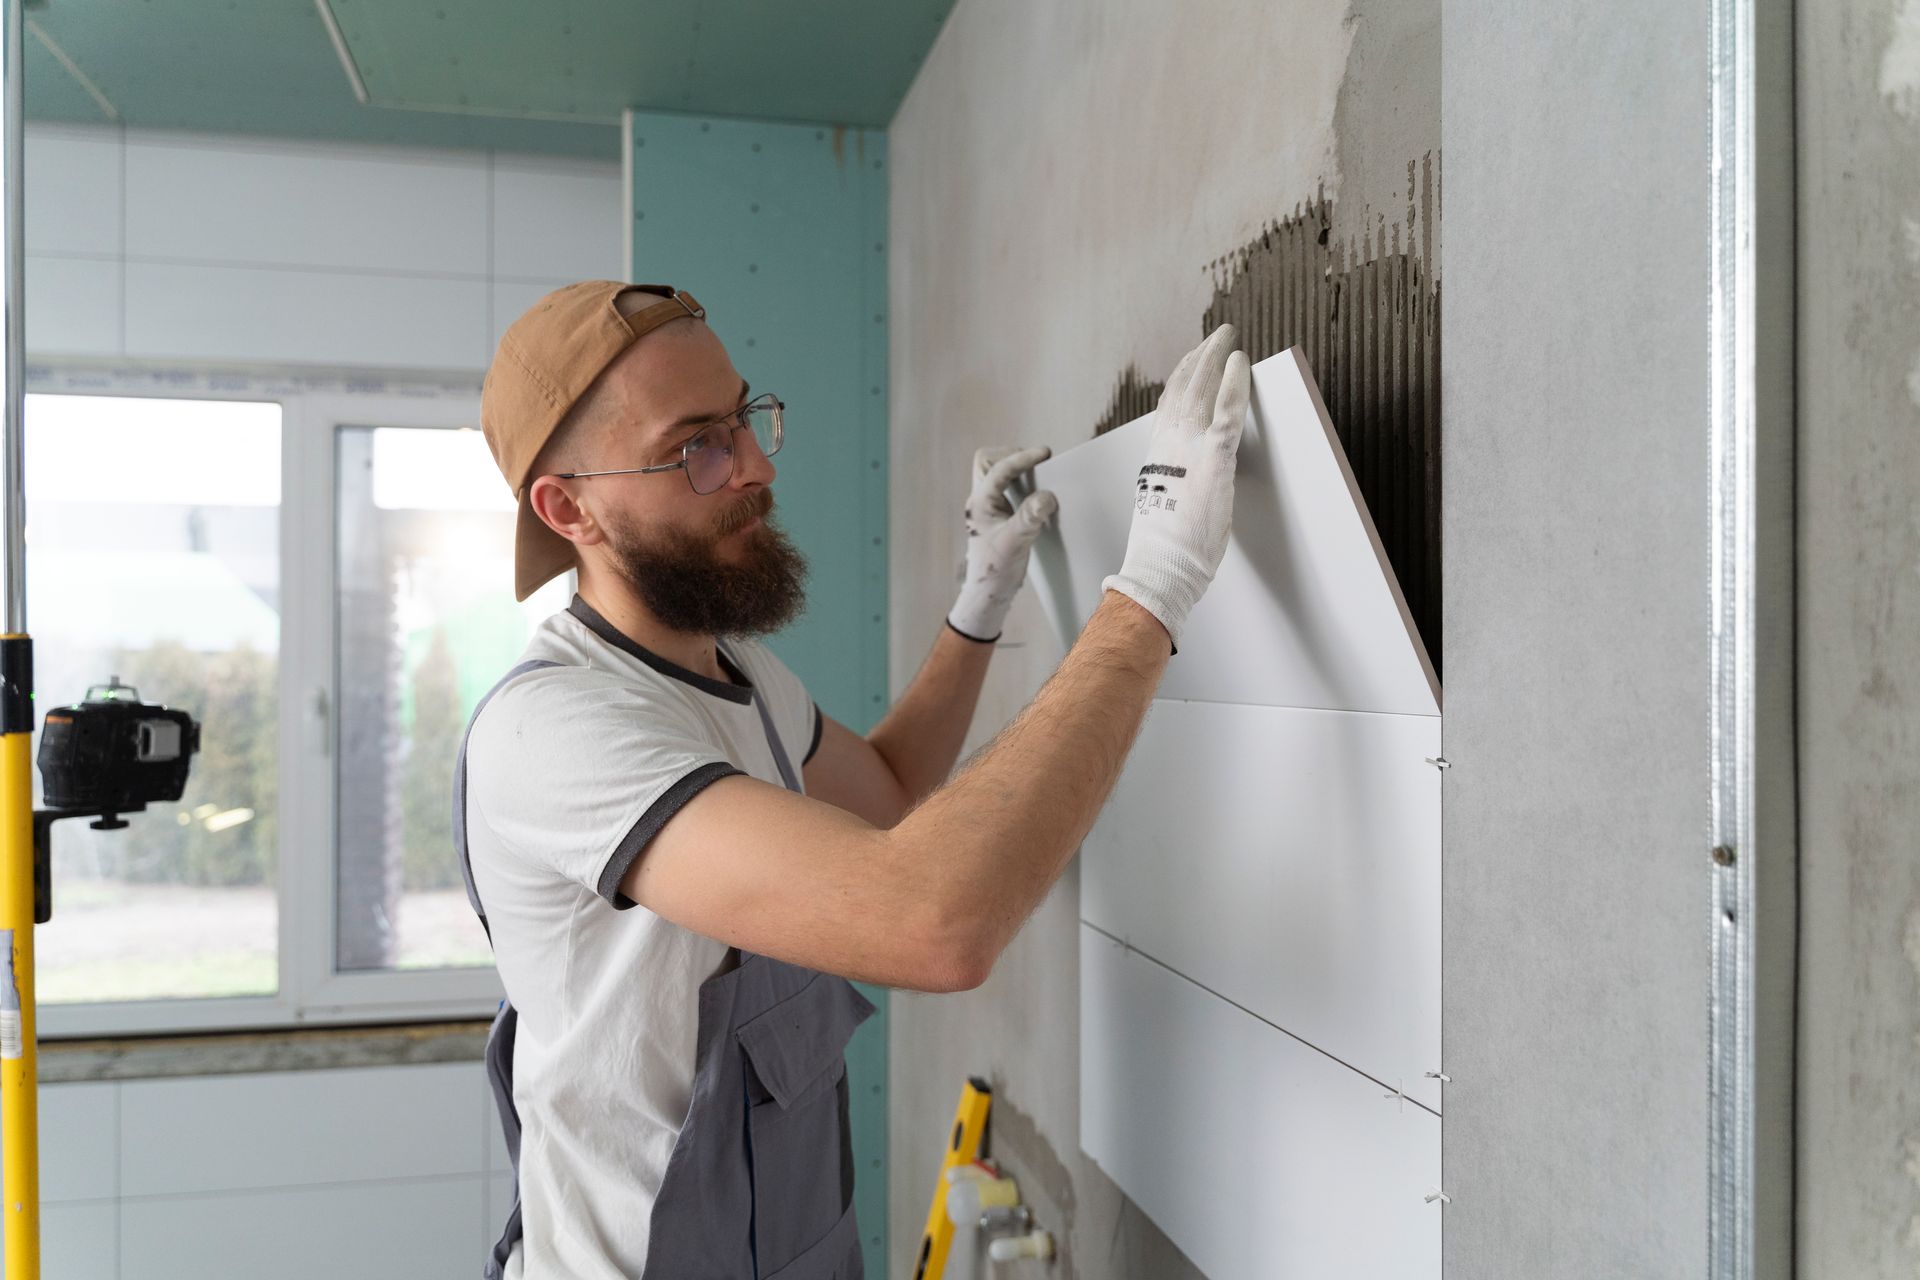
[{"x": 735, "y": 421}]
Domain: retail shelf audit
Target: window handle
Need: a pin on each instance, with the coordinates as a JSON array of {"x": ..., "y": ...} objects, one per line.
[{"x": 319, "y": 721}]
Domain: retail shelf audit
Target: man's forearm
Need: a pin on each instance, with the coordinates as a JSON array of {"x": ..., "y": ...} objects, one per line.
[
  {"x": 999, "y": 834},
  {"x": 921, "y": 736}
]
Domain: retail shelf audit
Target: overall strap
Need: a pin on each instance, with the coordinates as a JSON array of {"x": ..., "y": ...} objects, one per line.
[
  {"x": 506, "y": 1023},
  {"x": 460, "y": 787},
  {"x": 780, "y": 759}
]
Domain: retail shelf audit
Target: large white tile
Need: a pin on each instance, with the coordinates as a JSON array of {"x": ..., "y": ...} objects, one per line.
[
  {"x": 218, "y": 1133},
  {"x": 378, "y": 1231},
  {"x": 306, "y": 206},
  {"x": 73, "y": 191},
  {"x": 1290, "y": 861},
  {"x": 1255, "y": 1154},
  {"x": 1304, "y": 610},
  {"x": 305, "y": 317},
  {"x": 555, "y": 220},
  {"x": 73, "y": 306},
  {"x": 78, "y": 1128},
  {"x": 78, "y": 1241}
]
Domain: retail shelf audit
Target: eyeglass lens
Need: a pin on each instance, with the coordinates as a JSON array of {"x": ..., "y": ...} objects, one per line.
[{"x": 710, "y": 455}]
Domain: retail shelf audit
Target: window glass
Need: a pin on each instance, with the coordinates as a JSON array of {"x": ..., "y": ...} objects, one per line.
[
  {"x": 427, "y": 624},
  {"x": 153, "y": 555}
]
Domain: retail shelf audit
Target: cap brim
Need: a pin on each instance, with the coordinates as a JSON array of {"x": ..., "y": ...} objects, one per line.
[{"x": 539, "y": 554}]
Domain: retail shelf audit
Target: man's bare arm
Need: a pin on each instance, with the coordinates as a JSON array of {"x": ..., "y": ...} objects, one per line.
[
  {"x": 930, "y": 903},
  {"x": 913, "y": 749}
]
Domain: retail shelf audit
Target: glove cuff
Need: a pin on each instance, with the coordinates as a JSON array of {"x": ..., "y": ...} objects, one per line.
[
  {"x": 968, "y": 635},
  {"x": 1167, "y": 597},
  {"x": 977, "y": 616}
]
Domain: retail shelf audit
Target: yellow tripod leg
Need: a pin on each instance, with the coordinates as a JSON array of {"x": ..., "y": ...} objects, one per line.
[
  {"x": 19, "y": 1100},
  {"x": 964, "y": 1145}
]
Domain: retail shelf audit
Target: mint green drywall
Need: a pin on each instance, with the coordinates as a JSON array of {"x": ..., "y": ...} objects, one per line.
[{"x": 780, "y": 231}]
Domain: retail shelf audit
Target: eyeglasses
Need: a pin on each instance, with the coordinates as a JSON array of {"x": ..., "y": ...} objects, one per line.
[{"x": 707, "y": 458}]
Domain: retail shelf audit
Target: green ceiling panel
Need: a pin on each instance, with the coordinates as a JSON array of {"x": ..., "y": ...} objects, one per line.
[
  {"x": 844, "y": 61},
  {"x": 246, "y": 66},
  {"x": 503, "y": 74},
  {"x": 53, "y": 94}
]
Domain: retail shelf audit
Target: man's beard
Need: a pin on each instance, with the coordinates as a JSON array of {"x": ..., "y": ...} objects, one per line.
[{"x": 683, "y": 581}]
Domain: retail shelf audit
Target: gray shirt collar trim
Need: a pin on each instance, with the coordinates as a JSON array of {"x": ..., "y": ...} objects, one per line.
[{"x": 740, "y": 690}]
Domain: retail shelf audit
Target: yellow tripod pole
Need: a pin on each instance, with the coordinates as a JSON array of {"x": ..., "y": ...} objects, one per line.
[
  {"x": 19, "y": 1100},
  {"x": 19, "y": 1074}
]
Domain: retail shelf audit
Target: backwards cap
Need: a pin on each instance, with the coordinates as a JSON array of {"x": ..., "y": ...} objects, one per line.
[{"x": 546, "y": 361}]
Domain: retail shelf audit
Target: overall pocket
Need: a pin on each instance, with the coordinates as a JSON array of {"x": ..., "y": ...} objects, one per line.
[{"x": 797, "y": 1119}]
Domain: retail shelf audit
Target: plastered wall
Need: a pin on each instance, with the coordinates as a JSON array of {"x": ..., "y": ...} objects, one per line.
[
  {"x": 1858, "y": 66},
  {"x": 1064, "y": 178},
  {"x": 1578, "y": 524}
]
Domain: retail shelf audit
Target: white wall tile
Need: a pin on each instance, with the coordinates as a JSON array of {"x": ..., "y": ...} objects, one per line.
[
  {"x": 305, "y": 317},
  {"x": 299, "y": 253},
  {"x": 311, "y": 207},
  {"x": 499, "y": 1204},
  {"x": 495, "y": 1137},
  {"x": 73, "y": 191},
  {"x": 222, "y": 1133},
  {"x": 1255, "y": 1154},
  {"x": 78, "y": 1130},
  {"x": 1290, "y": 861},
  {"x": 556, "y": 220},
  {"x": 376, "y": 1231},
  {"x": 1304, "y": 610},
  {"x": 73, "y": 306},
  {"x": 78, "y": 1242}
]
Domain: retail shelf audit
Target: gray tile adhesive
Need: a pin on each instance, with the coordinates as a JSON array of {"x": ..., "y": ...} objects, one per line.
[{"x": 1367, "y": 313}]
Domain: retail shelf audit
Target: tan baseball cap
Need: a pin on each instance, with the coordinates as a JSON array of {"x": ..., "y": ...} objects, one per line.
[{"x": 546, "y": 361}]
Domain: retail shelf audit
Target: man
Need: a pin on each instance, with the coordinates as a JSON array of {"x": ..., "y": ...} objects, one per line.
[{"x": 674, "y": 848}]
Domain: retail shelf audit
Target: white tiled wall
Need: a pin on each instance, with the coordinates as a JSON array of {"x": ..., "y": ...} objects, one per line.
[
  {"x": 373, "y": 1172},
  {"x": 201, "y": 247}
]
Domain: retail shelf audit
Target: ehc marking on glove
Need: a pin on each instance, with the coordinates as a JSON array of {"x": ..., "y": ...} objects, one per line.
[{"x": 1142, "y": 502}]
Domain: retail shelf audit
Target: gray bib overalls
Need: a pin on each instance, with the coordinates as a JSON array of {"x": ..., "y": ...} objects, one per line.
[{"x": 760, "y": 1183}]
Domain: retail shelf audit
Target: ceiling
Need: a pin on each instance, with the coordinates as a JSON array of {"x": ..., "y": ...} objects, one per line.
[{"x": 511, "y": 75}]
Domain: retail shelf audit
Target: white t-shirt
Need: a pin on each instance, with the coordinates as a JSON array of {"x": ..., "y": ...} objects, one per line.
[{"x": 570, "y": 772}]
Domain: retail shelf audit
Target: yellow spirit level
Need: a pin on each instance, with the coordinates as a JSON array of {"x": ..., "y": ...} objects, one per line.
[{"x": 966, "y": 1143}]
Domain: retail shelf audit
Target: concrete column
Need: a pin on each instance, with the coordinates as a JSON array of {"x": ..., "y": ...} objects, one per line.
[{"x": 1577, "y": 525}]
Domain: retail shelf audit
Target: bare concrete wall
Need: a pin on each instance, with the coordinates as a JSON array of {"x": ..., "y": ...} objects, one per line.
[
  {"x": 1859, "y": 626},
  {"x": 1063, "y": 174},
  {"x": 1575, "y": 520}
]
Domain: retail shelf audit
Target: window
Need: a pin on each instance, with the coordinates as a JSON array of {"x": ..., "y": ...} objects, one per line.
[
  {"x": 425, "y": 625},
  {"x": 153, "y": 557},
  {"x": 321, "y": 574}
]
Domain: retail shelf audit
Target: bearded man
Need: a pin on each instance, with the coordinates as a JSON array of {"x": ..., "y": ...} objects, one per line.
[{"x": 681, "y": 861}]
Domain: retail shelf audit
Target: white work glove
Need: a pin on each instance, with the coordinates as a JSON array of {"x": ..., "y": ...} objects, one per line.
[
  {"x": 1183, "y": 495},
  {"x": 999, "y": 538}
]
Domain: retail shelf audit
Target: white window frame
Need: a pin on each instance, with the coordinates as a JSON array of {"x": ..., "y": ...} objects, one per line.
[{"x": 312, "y": 991}]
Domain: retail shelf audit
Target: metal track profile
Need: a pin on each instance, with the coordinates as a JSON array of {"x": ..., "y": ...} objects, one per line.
[
  {"x": 1731, "y": 863},
  {"x": 13, "y": 375}
]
